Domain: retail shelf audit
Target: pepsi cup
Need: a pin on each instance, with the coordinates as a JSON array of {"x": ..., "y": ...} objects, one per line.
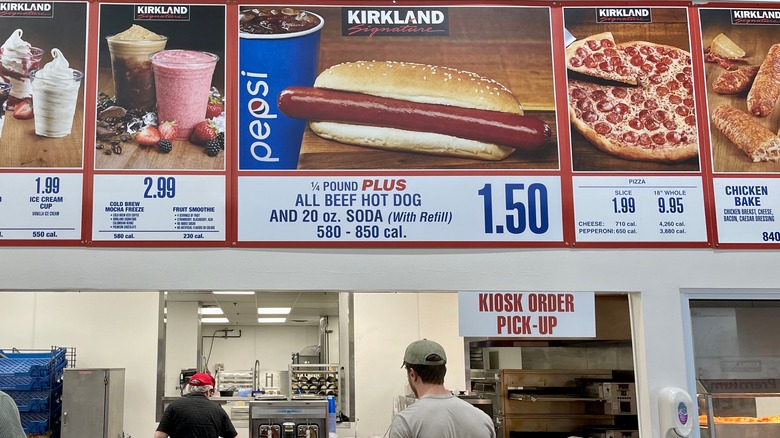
[{"x": 278, "y": 48}]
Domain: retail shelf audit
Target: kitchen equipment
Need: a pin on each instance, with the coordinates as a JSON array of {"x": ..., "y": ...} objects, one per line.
[
  {"x": 93, "y": 403},
  {"x": 288, "y": 419},
  {"x": 232, "y": 381},
  {"x": 738, "y": 401},
  {"x": 532, "y": 402}
]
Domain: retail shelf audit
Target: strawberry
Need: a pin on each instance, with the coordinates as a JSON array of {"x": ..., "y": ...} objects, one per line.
[
  {"x": 23, "y": 110},
  {"x": 203, "y": 132},
  {"x": 214, "y": 107},
  {"x": 147, "y": 136},
  {"x": 168, "y": 130}
]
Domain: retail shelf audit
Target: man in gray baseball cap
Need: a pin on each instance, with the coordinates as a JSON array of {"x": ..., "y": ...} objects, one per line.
[{"x": 437, "y": 412}]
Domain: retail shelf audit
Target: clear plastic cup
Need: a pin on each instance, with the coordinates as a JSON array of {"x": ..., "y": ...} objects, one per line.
[
  {"x": 16, "y": 70},
  {"x": 5, "y": 90},
  {"x": 55, "y": 103},
  {"x": 183, "y": 83},
  {"x": 132, "y": 71}
]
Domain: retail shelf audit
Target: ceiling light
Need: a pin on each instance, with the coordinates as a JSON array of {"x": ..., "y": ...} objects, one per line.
[
  {"x": 210, "y": 311},
  {"x": 233, "y": 292},
  {"x": 273, "y": 310},
  {"x": 214, "y": 320},
  {"x": 270, "y": 320}
]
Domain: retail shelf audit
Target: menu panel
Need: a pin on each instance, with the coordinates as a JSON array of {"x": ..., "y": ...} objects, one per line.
[
  {"x": 40, "y": 206},
  {"x": 630, "y": 93},
  {"x": 646, "y": 209},
  {"x": 159, "y": 208},
  {"x": 400, "y": 209},
  {"x": 740, "y": 54}
]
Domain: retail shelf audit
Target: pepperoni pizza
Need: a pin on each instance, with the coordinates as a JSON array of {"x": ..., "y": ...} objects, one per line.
[
  {"x": 597, "y": 56},
  {"x": 652, "y": 121}
]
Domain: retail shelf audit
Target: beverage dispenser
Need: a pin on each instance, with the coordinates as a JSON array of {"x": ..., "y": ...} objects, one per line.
[{"x": 288, "y": 418}]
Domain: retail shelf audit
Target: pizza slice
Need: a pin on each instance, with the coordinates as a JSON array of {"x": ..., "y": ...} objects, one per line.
[{"x": 597, "y": 56}]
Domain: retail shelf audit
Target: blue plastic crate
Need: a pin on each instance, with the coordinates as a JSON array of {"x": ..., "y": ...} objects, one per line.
[
  {"x": 27, "y": 383},
  {"x": 37, "y": 422},
  {"x": 37, "y": 401},
  {"x": 42, "y": 365}
]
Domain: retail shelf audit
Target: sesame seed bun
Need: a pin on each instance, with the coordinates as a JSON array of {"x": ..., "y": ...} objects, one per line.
[{"x": 420, "y": 83}]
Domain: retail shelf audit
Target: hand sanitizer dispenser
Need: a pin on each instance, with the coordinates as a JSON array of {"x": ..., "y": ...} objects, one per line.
[{"x": 675, "y": 413}]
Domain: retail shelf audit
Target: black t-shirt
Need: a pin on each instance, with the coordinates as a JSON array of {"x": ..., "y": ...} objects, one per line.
[{"x": 195, "y": 416}]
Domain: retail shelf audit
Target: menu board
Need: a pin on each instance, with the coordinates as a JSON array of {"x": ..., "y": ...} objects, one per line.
[
  {"x": 397, "y": 94},
  {"x": 740, "y": 52},
  {"x": 319, "y": 125},
  {"x": 43, "y": 57},
  {"x": 160, "y": 108},
  {"x": 630, "y": 92}
]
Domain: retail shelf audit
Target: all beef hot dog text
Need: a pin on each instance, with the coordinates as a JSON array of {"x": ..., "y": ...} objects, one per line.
[{"x": 415, "y": 108}]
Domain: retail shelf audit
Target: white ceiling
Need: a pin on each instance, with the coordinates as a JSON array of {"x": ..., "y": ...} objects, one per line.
[{"x": 307, "y": 306}]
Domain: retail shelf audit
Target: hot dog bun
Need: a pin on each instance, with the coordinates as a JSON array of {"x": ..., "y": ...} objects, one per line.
[
  {"x": 412, "y": 86},
  {"x": 420, "y": 83},
  {"x": 409, "y": 141}
]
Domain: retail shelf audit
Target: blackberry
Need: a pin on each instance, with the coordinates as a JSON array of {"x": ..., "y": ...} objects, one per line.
[
  {"x": 212, "y": 148},
  {"x": 164, "y": 146},
  {"x": 221, "y": 140}
]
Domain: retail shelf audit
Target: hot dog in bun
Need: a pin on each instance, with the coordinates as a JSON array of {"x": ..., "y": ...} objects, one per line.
[{"x": 412, "y": 107}]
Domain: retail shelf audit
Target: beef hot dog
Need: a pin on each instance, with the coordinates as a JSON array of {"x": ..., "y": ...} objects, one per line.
[{"x": 417, "y": 108}]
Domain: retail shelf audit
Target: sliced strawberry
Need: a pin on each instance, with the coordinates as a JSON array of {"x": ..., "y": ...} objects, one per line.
[
  {"x": 147, "y": 136},
  {"x": 23, "y": 110},
  {"x": 214, "y": 107},
  {"x": 203, "y": 132},
  {"x": 168, "y": 130}
]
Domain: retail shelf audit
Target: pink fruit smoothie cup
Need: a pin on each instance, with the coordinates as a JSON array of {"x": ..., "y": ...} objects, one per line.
[{"x": 182, "y": 80}]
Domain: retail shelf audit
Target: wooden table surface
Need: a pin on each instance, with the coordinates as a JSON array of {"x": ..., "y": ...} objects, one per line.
[
  {"x": 510, "y": 45},
  {"x": 184, "y": 155},
  {"x": 755, "y": 40},
  {"x": 669, "y": 27},
  {"x": 21, "y": 147}
]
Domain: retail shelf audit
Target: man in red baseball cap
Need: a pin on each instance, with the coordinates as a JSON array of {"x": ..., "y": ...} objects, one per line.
[{"x": 194, "y": 415}]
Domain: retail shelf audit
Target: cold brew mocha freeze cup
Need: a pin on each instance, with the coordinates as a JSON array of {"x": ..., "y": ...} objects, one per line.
[
  {"x": 131, "y": 67},
  {"x": 183, "y": 83},
  {"x": 278, "y": 48},
  {"x": 55, "y": 90}
]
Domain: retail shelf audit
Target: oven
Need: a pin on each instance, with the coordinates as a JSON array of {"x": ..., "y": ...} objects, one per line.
[{"x": 288, "y": 419}]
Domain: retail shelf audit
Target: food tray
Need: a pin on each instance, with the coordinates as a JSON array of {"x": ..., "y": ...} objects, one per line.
[
  {"x": 35, "y": 422},
  {"x": 37, "y": 401},
  {"x": 41, "y": 365},
  {"x": 25, "y": 383}
]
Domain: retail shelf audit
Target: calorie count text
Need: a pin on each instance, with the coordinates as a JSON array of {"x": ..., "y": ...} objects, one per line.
[{"x": 529, "y": 214}]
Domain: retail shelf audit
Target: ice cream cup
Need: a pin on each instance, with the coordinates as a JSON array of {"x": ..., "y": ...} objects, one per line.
[
  {"x": 183, "y": 83},
  {"x": 132, "y": 71},
  {"x": 54, "y": 96},
  {"x": 5, "y": 90},
  {"x": 269, "y": 63},
  {"x": 16, "y": 70}
]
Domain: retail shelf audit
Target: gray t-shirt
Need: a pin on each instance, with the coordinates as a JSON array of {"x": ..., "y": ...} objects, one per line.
[
  {"x": 10, "y": 425},
  {"x": 442, "y": 416}
]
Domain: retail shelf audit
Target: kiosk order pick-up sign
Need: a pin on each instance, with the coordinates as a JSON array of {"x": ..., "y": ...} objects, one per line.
[{"x": 527, "y": 314}]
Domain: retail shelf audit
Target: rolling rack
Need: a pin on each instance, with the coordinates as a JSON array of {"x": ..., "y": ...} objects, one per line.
[{"x": 33, "y": 379}]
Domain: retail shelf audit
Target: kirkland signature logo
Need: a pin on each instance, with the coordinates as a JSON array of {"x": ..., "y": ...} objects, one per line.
[
  {"x": 623, "y": 15},
  {"x": 162, "y": 12},
  {"x": 755, "y": 16},
  {"x": 394, "y": 22},
  {"x": 27, "y": 9}
]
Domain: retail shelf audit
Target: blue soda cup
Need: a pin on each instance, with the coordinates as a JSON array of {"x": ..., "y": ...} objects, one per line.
[{"x": 269, "y": 63}]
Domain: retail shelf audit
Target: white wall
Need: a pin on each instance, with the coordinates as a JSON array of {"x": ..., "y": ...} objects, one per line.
[
  {"x": 103, "y": 339},
  {"x": 656, "y": 274}
]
